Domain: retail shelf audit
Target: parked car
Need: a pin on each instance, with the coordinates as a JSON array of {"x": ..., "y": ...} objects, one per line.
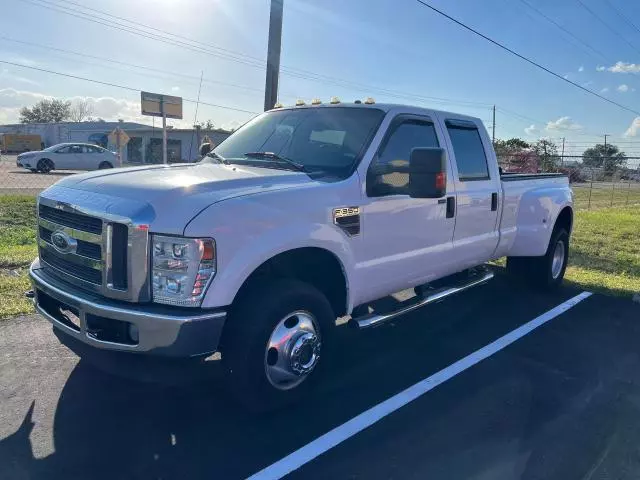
[
  {"x": 303, "y": 215},
  {"x": 68, "y": 156}
]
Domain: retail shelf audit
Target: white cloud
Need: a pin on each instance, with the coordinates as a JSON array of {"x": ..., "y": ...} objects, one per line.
[
  {"x": 623, "y": 88},
  {"x": 581, "y": 68},
  {"x": 175, "y": 89},
  {"x": 532, "y": 130},
  {"x": 108, "y": 108},
  {"x": 566, "y": 77},
  {"x": 563, "y": 123},
  {"x": 633, "y": 129},
  {"x": 604, "y": 90},
  {"x": 601, "y": 68},
  {"x": 622, "y": 67}
]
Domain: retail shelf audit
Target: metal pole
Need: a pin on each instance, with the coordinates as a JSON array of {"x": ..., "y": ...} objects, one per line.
[
  {"x": 118, "y": 146},
  {"x": 493, "y": 135},
  {"x": 590, "y": 190},
  {"x": 273, "y": 55},
  {"x": 628, "y": 191},
  {"x": 195, "y": 118},
  {"x": 562, "y": 157},
  {"x": 164, "y": 138}
]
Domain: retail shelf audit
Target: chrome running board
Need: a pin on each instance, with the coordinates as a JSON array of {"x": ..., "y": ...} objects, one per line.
[{"x": 373, "y": 320}]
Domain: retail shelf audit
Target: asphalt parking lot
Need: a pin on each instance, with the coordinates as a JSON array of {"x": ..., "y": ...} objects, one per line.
[
  {"x": 561, "y": 402},
  {"x": 20, "y": 180}
]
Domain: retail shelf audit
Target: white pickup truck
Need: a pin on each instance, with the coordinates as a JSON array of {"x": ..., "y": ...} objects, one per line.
[{"x": 305, "y": 214}]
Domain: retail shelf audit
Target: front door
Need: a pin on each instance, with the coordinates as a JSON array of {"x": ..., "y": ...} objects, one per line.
[
  {"x": 63, "y": 158},
  {"x": 477, "y": 191},
  {"x": 405, "y": 241}
]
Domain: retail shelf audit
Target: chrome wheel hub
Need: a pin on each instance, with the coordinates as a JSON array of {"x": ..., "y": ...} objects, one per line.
[
  {"x": 558, "y": 260},
  {"x": 293, "y": 350}
]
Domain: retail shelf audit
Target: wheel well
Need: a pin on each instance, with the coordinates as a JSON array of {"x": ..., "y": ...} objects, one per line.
[
  {"x": 565, "y": 219},
  {"x": 315, "y": 266}
]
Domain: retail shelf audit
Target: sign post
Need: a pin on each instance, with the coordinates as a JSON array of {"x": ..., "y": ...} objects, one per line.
[
  {"x": 120, "y": 138},
  {"x": 165, "y": 106}
]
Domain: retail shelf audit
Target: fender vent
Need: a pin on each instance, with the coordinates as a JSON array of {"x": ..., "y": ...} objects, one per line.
[{"x": 348, "y": 219}]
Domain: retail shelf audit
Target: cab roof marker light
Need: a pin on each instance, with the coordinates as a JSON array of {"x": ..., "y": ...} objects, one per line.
[
  {"x": 299, "y": 102},
  {"x": 278, "y": 105},
  {"x": 316, "y": 101},
  {"x": 334, "y": 100},
  {"x": 369, "y": 101}
]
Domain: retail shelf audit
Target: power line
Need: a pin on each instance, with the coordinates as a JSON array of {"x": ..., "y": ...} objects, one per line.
[
  {"x": 118, "y": 62},
  {"x": 622, "y": 16},
  {"x": 124, "y": 87},
  {"x": 609, "y": 27},
  {"x": 552, "y": 21},
  {"x": 522, "y": 57},
  {"x": 303, "y": 74}
]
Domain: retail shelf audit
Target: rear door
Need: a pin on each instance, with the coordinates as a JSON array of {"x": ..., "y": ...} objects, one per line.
[
  {"x": 477, "y": 185},
  {"x": 92, "y": 157},
  {"x": 77, "y": 157}
]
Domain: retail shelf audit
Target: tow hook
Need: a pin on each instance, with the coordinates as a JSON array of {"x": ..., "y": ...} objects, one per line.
[{"x": 29, "y": 294}]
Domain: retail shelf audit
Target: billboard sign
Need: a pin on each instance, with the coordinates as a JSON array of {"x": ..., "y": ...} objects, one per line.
[{"x": 157, "y": 105}]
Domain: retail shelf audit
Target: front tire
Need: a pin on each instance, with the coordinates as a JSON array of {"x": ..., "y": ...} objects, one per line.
[
  {"x": 545, "y": 272},
  {"x": 104, "y": 165},
  {"x": 45, "y": 165},
  {"x": 273, "y": 343}
]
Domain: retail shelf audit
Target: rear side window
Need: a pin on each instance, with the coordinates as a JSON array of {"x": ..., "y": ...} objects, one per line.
[
  {"x": 389, "y": 172},
  {"x": 469, "y": 151}
]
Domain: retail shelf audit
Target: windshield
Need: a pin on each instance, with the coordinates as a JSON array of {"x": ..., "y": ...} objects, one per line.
[
  {"x": 52, "y": 148},
  {"x": 325, "y": 141}
]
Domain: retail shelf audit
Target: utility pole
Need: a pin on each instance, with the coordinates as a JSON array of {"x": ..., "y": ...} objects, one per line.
[
  {"x": 493, "y": 135},
  {"x": 273, "y": 55},
  {"x": 562, "y": 156}
]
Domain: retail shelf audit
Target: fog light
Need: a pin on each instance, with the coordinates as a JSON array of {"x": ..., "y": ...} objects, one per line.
[{"x": 134, "y": 333}]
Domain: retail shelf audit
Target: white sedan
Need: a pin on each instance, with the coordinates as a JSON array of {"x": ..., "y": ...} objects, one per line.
[{"x": 68, "y": 156}]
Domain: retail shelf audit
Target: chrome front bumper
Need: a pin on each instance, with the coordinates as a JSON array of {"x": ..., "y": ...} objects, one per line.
[{"x": 106, "y": 324}]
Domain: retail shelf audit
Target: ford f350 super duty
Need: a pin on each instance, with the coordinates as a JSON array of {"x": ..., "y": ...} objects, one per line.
[{"x": 303, "y": 215}]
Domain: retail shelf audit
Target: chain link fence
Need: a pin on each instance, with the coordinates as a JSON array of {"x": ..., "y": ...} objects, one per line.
[{"x": 594, "y": 187}]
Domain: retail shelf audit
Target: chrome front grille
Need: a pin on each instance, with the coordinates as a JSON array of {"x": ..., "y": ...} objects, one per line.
[{"x": 103, "y": 253}]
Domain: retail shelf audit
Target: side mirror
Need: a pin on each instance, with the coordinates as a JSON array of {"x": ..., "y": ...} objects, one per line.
[{"x": 427, "y": 173}]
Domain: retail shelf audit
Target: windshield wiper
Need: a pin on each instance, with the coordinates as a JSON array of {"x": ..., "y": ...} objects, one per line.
[
  {"x": 215, "y": 156},
  {"x": 278, "y": 158}
]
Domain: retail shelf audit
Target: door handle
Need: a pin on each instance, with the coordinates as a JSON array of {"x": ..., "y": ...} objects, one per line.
[
  {"x": 451, "y": 207},
  {"x": 494, "y": 201}
]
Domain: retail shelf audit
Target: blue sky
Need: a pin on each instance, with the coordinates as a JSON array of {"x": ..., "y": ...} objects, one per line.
[{"x": 397, "y": 51}]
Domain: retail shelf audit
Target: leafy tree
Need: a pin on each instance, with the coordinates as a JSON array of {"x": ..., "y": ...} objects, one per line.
[
  {"x": 511, "y": 146},
  {"x": 208, "y": 125},
  {"x": 547, "y": 151},
  {"x": 46, "y": 111},
  {"x": 609, "y": 157}
]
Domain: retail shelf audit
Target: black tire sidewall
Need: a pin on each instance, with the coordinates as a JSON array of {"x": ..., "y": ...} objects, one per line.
[
  {"x": 44, "y": 161},
  {"x": 248, "y": 329},
  {"x": 104, "y": 166},
  {"x": 545, "y": 273}
]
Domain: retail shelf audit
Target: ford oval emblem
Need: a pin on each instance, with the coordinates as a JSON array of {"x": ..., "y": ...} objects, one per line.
[{"x": 63, "y": 243}]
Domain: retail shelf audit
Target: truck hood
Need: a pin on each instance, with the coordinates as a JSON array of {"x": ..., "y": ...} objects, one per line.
[{"x": 168, "y": 197}]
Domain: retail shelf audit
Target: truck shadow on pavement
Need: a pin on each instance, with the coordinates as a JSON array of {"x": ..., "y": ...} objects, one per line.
[{"x": 107, "y": 426}]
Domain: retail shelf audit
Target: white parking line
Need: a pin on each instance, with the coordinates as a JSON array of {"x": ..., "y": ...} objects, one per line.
[{"x": 341, "y": 433}]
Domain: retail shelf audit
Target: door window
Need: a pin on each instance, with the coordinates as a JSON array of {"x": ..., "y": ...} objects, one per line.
[
  {"x": 469, "y": 151},
  {"x": 66, "y": 149},
  {"x": 389, "y": 171},
  {"x": 75, "y": 149}
]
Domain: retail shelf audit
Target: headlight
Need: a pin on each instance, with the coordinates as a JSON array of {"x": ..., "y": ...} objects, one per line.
[{"x": 182, "y": 269}]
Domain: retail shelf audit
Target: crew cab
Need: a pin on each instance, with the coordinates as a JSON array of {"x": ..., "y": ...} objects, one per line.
[{"x": 303, "y": 215}]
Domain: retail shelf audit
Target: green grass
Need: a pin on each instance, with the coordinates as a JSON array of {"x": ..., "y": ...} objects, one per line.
[
  {"x": 605, "y": 251},
  {"x": 17, "y": 250},
  {"x": 605, "y": 195}
]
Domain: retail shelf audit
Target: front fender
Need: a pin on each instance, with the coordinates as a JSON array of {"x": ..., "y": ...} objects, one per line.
[{"x": 243, "y": 261}]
